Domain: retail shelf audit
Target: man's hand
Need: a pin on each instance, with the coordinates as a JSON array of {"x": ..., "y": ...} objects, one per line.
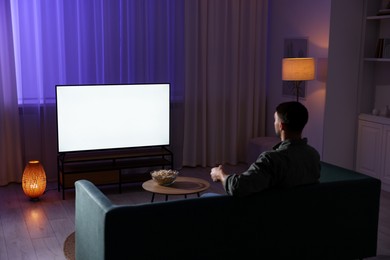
[{"x": 217, "y": 174}]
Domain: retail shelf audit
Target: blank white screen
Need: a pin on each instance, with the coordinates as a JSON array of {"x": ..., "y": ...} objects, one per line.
[{"x": 112, "y": 116}]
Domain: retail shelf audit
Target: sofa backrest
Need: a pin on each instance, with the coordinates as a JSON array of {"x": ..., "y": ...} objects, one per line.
[{"x": 336, "y": 218}]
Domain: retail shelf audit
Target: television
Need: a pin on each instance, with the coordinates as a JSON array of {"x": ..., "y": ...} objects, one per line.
[{"x": 102, "y": 117}]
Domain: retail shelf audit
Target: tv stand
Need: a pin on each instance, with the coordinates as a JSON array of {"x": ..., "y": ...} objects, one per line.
[{"x": 107, "y": 167}]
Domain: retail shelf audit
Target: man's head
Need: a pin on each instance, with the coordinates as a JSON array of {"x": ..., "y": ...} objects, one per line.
[{"x": 290, "y": 117}]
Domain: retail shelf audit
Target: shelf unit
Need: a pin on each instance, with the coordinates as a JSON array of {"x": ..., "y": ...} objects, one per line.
[
  {"x": 372, "y": 146},
  {"x": 355, "y": 76},
  {"x": 374, "y": 69},
  {"x": 107, "y": 167}
]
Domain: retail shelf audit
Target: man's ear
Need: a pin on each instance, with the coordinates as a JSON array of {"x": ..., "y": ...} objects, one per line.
[{"x": 283, "y": 126}]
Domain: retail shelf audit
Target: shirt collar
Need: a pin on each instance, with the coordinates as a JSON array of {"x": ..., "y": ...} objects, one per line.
[{"x": 288, "y": 142}]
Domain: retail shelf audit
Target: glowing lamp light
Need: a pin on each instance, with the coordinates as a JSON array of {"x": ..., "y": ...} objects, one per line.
[
  {"x": 298, "y": 70},
  {"x": 34, "y": 180}
]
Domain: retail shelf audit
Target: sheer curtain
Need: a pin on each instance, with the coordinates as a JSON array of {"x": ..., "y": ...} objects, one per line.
[
  {"x": 225, "y": 79},
  {"x": 10, "y": 143},
  {"x": 212, "y": 53},
  {"x": 91, "y": 42}
]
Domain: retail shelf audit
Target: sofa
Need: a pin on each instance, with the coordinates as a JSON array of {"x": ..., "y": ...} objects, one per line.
[{"x": 334, "y": 219}]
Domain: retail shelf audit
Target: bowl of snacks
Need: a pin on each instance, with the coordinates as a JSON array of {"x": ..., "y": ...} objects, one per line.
[{"x": 164, "y": 177}]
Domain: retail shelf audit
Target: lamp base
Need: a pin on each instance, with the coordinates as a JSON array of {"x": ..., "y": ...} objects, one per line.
[{"x": 297, "y": 88}]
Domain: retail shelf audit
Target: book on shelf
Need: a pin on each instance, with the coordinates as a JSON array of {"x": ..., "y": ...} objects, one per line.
[{"x": 383, "y": 48}]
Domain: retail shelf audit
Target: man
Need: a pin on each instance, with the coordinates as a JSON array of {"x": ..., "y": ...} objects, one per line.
[{"x": 292, "y": 162}]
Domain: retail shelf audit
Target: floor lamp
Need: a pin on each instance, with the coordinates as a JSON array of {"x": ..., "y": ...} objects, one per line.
[{"x": 298, "y": 70}]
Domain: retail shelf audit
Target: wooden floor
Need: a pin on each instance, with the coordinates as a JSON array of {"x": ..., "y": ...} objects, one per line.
[{"x": 37, "y": 230}]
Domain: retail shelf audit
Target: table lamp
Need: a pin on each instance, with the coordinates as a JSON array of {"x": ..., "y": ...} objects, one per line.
[{"x": 298, "y": 70}]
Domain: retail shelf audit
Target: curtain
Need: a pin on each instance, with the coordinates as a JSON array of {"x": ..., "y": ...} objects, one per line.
[
  {"x": 212, "y": 52},
  {"x": 10, "y": 142},
  {"x": 225, "y": 82},
  {"x": 91, "y": 42}
]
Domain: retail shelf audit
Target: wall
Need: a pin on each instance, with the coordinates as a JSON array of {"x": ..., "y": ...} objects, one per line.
[
  {"x": 300, "y": 19},
  {"x": 342, "y": 102}
]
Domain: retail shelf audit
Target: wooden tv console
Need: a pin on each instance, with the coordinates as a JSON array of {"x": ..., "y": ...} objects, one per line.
[{"x": 107, "y": 167}]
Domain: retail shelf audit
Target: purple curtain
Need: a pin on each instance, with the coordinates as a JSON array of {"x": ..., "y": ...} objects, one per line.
[
  {"x": 212, "y": 52},
  {"x": 10, "y": 142},
  {"x": 91, "y": 42}
]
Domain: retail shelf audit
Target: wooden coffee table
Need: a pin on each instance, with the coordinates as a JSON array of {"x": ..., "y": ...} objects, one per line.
[{"x": 182, "y": 186}]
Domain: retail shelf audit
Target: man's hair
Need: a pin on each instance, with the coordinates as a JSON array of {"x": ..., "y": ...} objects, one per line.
[{"x": 293, "y": 114}]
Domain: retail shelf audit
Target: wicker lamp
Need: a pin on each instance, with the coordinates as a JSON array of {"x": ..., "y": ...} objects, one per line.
[{"x": 34, "y": 180}]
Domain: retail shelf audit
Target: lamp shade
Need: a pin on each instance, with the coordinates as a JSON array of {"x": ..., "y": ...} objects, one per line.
[
  {"x": 34, "y": 180},
  {"x": 298, "y": 69}
]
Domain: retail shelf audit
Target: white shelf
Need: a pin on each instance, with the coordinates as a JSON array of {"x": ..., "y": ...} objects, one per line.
[
  {"x": 377, "y": 59},
  {"x": 378, "y": 17}
]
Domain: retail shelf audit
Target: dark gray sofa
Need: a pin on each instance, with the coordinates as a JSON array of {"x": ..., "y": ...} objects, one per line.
[{"x": 335, "y": 219}]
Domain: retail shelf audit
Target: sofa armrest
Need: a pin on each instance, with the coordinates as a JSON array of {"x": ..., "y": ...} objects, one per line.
[{"x": 91, "y": 208}]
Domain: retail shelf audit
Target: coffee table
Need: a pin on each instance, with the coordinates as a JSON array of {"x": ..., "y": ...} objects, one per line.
[{"x": 182, "y": 186}]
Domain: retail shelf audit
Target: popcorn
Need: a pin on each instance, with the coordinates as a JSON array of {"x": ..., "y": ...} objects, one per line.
[{"x": 164, "y": 177}]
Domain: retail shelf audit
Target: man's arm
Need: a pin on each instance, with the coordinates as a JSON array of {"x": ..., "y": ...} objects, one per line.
[{"x": 255, "y": 179}]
